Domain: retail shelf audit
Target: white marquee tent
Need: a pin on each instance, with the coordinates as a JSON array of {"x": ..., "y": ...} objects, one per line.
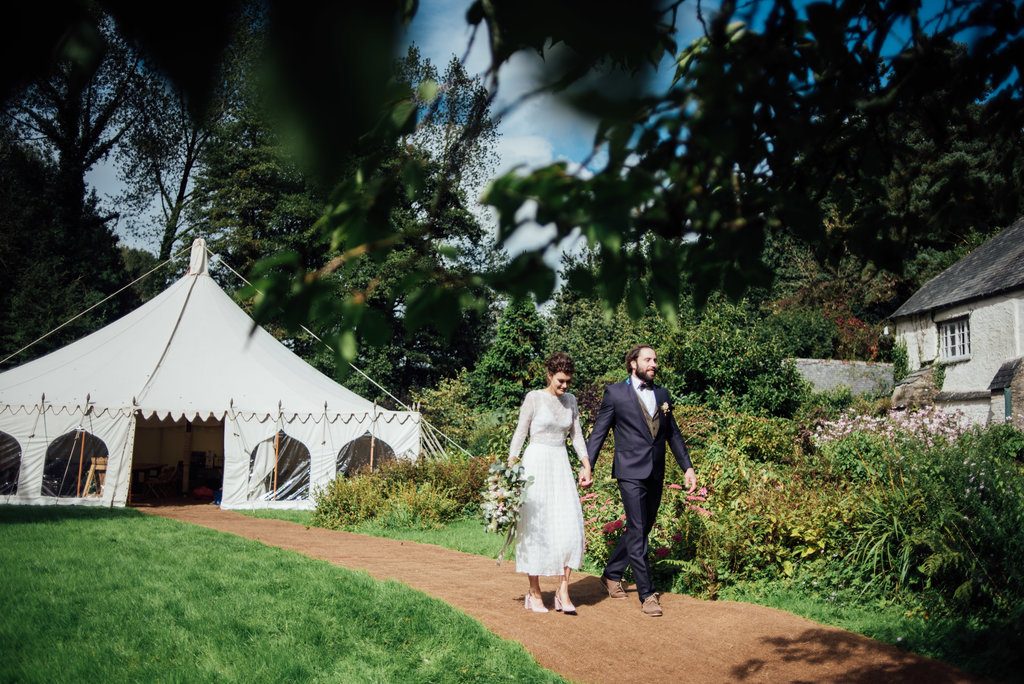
[{"x": 190, "y": 357}]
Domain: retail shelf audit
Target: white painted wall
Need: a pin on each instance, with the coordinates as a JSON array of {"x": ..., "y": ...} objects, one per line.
[
  {"x": 997, "y": 336},
  {"x": 975, "y": 412}
]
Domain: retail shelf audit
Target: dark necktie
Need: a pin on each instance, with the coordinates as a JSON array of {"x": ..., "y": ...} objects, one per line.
[{"x": 646, "y": 385}]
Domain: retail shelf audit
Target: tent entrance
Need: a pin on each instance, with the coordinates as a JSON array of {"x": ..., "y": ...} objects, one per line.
[{"x": 177, "y": 459}]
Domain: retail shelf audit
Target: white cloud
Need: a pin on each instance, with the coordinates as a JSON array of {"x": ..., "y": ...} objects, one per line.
[{"x": 531, "y": 151}]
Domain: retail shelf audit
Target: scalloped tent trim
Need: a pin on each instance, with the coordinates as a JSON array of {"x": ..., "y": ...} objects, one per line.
[{"x": 191, "y": 353}]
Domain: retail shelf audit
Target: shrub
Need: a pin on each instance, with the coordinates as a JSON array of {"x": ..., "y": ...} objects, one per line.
[
  {"x": 946, "y": 518},
  {"x": 900, "y": 361},
  {"x": 726, "y": 360},
  {"x": 448, "y": 407},
  {"x": 403, "y": 493},
  {"x": 822, "y": 406},
  {"x": 512, "y": 364},
  {"x": 760, "y": 439},
  {"x": 857, "y": 455},
  {"x": 422, "y": 505},
  {"x": 929, "y": 425},
  {"x": 347, "y": 501},
  {"x": 803, "y": 332}
]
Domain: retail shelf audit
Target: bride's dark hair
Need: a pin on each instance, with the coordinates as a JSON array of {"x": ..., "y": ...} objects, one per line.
[{"x": 559, "y": 362}]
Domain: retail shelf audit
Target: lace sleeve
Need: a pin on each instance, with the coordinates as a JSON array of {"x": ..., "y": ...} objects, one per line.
[
  {"x": 579, "y": 445},
  {"x": 522, "y": 428}
]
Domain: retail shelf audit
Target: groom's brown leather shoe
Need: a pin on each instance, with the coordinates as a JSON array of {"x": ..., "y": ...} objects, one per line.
[
  {"x": 614, "y": 588},
  {"x": 651, "y": 606}
]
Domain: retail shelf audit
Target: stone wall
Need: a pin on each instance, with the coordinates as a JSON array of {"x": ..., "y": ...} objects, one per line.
[{"x": 862, "y": 377}]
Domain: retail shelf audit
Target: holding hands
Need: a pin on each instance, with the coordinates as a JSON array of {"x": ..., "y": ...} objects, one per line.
[{"x": 586, "y": 477}]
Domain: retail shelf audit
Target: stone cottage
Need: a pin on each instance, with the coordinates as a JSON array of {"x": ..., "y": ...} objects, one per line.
[{"x": 964, "y": 334}]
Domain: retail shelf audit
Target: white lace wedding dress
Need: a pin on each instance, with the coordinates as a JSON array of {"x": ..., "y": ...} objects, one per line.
[{"x": 549, "y": 536}]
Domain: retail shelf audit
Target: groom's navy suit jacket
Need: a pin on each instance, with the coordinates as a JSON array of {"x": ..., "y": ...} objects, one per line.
[{"x": 638, "y": 454}]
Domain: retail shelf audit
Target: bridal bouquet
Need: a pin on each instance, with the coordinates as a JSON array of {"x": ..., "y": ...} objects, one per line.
[{"x": 502, "y": 499}]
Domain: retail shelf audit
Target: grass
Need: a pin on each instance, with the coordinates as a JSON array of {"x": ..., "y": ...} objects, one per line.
[
  {"x": 117, "y": 596},
  {"x": 984, "y": 650},
  {"x": 971, "y": 648},
  {"x": 466, "y": 535}
]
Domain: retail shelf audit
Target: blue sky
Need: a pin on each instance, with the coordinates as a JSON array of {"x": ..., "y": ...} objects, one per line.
[{"x": 539, "y": 131}]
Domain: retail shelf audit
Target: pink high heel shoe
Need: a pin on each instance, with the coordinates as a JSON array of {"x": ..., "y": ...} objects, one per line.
[
  {"x": 534, "y": 604},
  {"x": 564, "y": 608}
]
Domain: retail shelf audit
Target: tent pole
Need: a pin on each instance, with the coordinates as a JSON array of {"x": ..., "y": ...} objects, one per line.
[
  {"x": 81, "y": 457},
  {"x": 373, "y": 439},
  {"x": 277, "y": 452}
]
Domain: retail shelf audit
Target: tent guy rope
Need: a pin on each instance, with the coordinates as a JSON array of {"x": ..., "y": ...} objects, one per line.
[
  {"x": 435, "y": 444},
  {"x": 102, "y": 301}
]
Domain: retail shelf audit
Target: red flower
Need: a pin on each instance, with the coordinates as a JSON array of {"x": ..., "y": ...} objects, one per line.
[
  {"x": 612, "y": 526},
  {"x": 675, "y": 486},
  {"x": 661, "y": 552},
  {"x": 677, "y": 537}
]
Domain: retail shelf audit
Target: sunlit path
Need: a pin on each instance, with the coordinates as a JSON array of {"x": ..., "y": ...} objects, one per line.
[{"x": 609, "y": 641}]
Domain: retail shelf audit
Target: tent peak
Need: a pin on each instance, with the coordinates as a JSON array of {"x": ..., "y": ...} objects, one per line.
[{"x": 198, "y": 261}]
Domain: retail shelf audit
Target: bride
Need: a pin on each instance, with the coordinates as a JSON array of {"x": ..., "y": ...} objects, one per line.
[{"x": 549, "y": 536}]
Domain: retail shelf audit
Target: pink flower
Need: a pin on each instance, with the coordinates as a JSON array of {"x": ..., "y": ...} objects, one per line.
[
  {"x": 700, "y": 511},
  {"x": 661, "y": 552},
  {"x": 677, "y": 537},
  {"x": 675, "y": 486}
]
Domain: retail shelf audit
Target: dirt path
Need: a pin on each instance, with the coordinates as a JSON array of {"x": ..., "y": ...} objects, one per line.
[{"x": 609, "y": 641}]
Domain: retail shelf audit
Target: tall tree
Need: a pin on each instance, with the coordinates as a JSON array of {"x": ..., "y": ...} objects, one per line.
[
  {"x": 47, "y": 276},
  {"x": 512, "y": 363},
  {"x": 165, "y": 149},
  {"x": 55, "y": 129},
  {"x": 76, "y": 116}
]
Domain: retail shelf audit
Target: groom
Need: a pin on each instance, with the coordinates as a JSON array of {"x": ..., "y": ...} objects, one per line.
[{"x": 640, "y": 412}]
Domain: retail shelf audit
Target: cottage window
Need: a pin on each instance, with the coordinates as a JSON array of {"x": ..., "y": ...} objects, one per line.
[{"x": 955, "y": 339}]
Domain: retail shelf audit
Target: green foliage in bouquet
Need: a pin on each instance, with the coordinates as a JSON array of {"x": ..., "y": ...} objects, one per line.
[{"x": 502, "y": 500}]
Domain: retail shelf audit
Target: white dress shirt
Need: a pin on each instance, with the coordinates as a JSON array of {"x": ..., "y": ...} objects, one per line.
[{"x": 646, "y": 395}]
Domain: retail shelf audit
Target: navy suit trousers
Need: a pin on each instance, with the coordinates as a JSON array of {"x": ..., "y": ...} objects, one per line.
[{"x": 641, "y": 499}]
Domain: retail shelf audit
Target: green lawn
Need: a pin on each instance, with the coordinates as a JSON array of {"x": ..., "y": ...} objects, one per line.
[
  {"x": 991, "y": 652},
  {"x": 972, "y": 649},
  {"x": 113, "y": 595},
  {"x": 466, "y": 535}
]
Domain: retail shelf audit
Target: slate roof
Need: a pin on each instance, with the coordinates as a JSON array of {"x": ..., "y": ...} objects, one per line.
[
  {"x": 994, "y": 267},
  {"x": 1004, "y": 376}
]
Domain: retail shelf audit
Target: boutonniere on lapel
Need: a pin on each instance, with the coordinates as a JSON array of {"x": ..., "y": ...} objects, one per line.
[{"x": 666, "y": 408}]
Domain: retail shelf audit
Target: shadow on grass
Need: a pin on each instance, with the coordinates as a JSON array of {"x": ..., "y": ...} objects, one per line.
[
  {"x": 15, "y": 515},
  {"x": 827, "y": 647}
]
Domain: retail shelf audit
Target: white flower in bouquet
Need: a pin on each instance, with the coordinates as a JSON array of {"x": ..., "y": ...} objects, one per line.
[{"x": 502, "y": 499}]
